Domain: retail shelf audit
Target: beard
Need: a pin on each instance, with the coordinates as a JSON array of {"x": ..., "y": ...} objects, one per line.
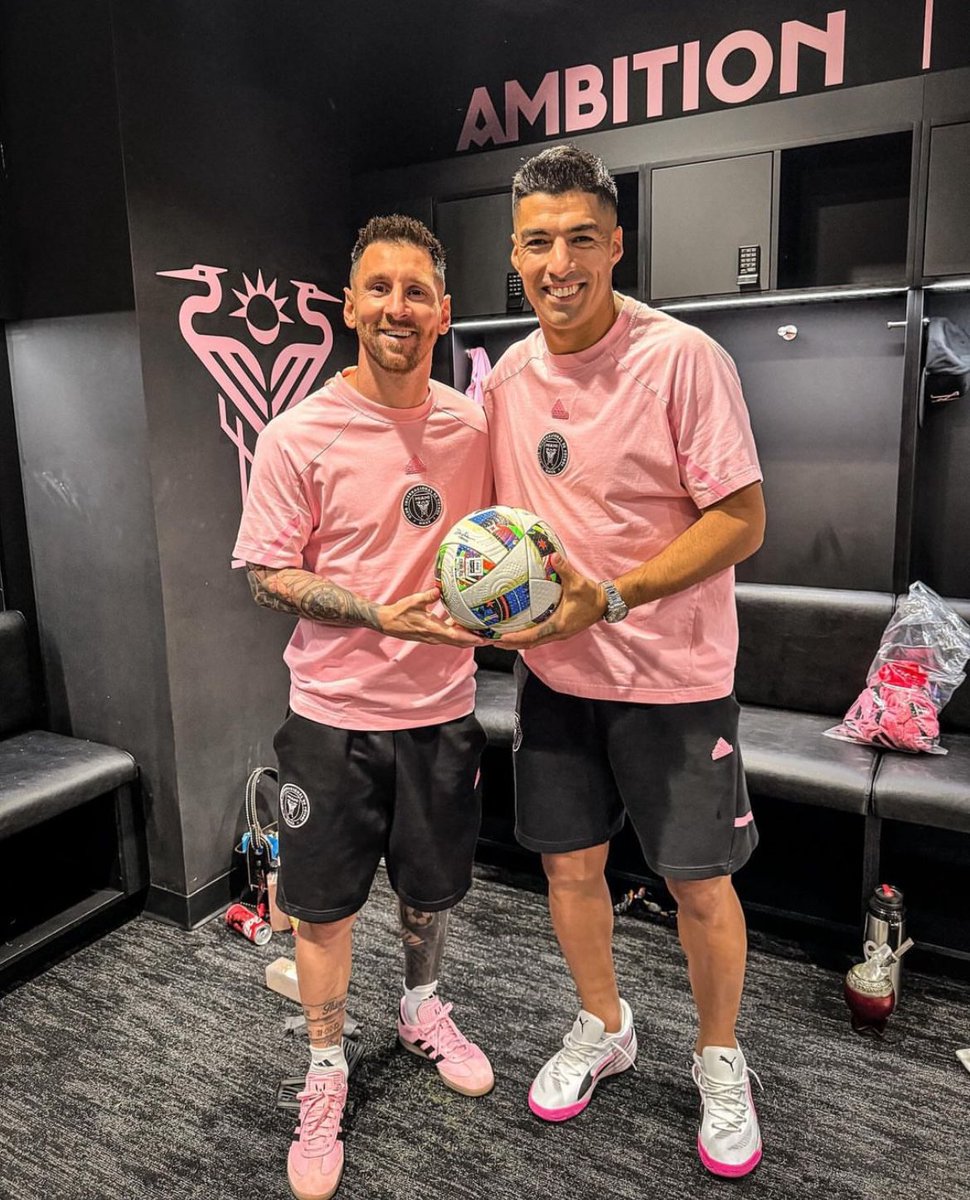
[{"x": 399, "y": 358}]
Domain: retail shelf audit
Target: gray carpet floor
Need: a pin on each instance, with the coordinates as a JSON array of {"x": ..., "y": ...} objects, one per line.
[{"x": 146, "y": 1066}]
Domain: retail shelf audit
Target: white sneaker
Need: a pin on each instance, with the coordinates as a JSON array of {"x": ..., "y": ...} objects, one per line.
[
  {"x": 565, "y": 1084},
  {"x": 729, "y": 1140}
]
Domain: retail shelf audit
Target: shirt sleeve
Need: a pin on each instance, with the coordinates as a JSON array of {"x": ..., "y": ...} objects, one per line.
[
  {"x": 709, "y": 421},
  {"x": 276, "y": 521}
]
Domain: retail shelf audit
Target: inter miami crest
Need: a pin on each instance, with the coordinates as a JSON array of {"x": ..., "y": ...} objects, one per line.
[
  {"x": 553, "y": 452},
  {"x": 294, "y": 805},
  {"x": 421, "y": 505},
  {"x": 254, "y": 381}
]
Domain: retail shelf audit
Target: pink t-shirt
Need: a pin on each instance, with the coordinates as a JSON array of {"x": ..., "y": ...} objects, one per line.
[
  {"x": 363, "y": 494},
  {"x": 618, "y": 447}
]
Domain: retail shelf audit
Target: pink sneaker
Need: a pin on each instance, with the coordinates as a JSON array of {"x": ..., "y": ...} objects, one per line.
[
  {"x": 316, "y": 1159},
  {"x": 461, "y": 1064}
]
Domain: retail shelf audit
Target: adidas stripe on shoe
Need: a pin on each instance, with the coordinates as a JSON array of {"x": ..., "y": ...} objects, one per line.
[{"x": 461, "y": 1064}]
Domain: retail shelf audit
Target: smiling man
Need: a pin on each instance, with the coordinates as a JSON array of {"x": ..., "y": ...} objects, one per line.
[
  {"x": 350, "y": 494},
  {"x": 627, "y": 431}
]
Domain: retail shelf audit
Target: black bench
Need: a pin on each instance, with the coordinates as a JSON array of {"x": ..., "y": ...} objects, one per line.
[
  {"x": 803, "y": 654},
  {"x": 72, "y": 846},
  {"x": 802, "y": 660}
]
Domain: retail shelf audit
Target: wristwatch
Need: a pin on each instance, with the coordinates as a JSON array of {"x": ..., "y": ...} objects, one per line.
[{"x": 616, "y": 608}]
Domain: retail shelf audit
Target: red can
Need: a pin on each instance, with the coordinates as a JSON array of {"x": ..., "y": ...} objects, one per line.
[{"x": 248, "y": 923}]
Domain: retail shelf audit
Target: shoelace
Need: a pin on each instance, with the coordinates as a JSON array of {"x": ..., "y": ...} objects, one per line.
[
  {"x": 574, "y": 1058},
  {"x": 726, "y": 1103},
  {"x": 444, "y": 1035},
  {"x": 320, "y": 1113}
]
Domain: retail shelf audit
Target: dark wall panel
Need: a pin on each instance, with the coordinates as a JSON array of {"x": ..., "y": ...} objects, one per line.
[
  {"x": 84, "y": 450},
  {"x": 16, "y": 583},
  {"x": 947, "y": 248},
  {"x": 464, "y": 47},
  {"x": 240, "y": 169},
  {"x": 65, "y": 235},
  {"x": 826, "y": 411}
]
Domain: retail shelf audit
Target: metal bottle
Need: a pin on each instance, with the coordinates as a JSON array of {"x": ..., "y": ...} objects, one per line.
[{"x": 886, "y": 926}]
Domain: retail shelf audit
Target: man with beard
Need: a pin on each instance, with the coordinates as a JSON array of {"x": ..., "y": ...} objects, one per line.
[
  {"x": 350, "y": 494},
  {"x": 627, "y": 431}
]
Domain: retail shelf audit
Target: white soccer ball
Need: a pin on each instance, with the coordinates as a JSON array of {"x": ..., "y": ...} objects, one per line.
[{"x": 494, "y": 573}]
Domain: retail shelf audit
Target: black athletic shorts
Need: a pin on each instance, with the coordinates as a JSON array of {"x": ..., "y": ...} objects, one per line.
[
  {"x": 582, "y": 766},
  {"x": 349, "y": 797}
]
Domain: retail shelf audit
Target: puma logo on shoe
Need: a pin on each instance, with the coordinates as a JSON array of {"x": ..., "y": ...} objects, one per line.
[
  {"x": 721, "y": 749},
  {"x": 415, "y": 466},
  {"x": 730, "y": 1061}
]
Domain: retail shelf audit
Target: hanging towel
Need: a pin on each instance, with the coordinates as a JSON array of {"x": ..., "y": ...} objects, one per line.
[{"x": 481, "y": 368}]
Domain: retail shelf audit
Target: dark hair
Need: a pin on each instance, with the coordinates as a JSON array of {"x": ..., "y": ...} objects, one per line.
[
  {"x": 564, "y": 169},
  {"x": 397, "y": 228}
]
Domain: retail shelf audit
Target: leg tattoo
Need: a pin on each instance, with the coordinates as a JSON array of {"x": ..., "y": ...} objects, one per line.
[
  {"x": 325, "y": 1022},
  {"x": 423, "y": 935}
]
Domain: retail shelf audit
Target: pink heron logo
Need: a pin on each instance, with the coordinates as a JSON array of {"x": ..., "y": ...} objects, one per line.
[{"x": 249, "y": 395}]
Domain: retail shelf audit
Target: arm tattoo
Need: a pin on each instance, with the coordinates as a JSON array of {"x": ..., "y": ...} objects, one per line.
[
  {"x": 303, "y": 594},
  {"x": 325, "y": 1022},
  {"x": 423, "y": 935}
]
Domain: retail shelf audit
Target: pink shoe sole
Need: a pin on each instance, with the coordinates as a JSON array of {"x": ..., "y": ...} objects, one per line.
[
  {"x": 728, "y": 1170},
  {"x": 559, "y": 1114},
  {"x": 455, "y": 1087},
  {"x": 318, "y": 1195}
]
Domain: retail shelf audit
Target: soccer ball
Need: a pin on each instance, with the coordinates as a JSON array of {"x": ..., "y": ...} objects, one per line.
[{"x": 494, "y": 573}]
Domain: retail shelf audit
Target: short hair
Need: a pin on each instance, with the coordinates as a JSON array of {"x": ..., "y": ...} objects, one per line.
[
  {"x": 562, "y": 169},
  {"x": 397, "y": 228}
]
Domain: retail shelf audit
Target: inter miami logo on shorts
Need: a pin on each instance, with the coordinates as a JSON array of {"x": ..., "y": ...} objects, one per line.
[
  {"x": 553, "y": 453},
  {"x": 422, "y": 505},
  {"x": 294, "y": 805}
]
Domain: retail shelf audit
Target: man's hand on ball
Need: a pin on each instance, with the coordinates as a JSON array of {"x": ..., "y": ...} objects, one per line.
[
  {"x": 413, "y": 620},
  {"x": 582, "y": 604}
]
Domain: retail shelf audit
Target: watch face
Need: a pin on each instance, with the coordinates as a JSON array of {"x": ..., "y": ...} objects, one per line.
[{"x": 616, "y": 608}]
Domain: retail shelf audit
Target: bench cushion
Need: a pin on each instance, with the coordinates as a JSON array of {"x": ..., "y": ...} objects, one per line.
[
  {"x": 785, "y": 755},
  {"x": 806, "y": 649},
  {"x": 44, "y": 774},
  {"x": 495, "y": 703},
  {"x": 787, "y": 758},
  {"x": 926, "y": 789}
]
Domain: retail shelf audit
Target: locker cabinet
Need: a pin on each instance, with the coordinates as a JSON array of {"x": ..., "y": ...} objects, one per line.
[
  {"x": 700, "y": 214},
  {"x": 947, "y": 247}
]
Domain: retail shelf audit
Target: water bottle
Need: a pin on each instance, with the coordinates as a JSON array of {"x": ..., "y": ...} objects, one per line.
[{"x": 886, "y": 926}]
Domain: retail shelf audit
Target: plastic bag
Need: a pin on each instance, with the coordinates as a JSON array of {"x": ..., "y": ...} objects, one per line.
[{"x": 919, "y": 665}]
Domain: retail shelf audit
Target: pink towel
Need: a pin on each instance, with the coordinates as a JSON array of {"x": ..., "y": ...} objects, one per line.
[{"x": 481, "y": 368}]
